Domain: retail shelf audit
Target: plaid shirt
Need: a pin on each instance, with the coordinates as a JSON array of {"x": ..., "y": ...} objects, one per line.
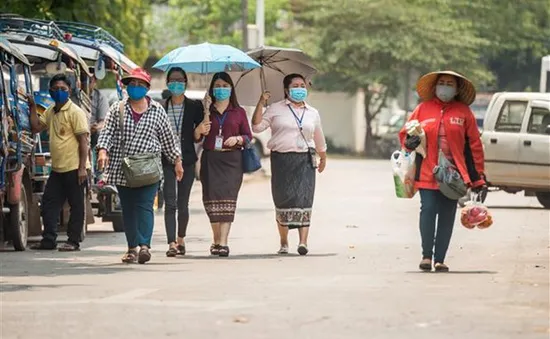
[{"x": 151, "y": 134}]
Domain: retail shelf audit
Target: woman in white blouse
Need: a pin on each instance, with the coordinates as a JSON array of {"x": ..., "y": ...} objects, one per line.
[{"x": 296, "y": 140}]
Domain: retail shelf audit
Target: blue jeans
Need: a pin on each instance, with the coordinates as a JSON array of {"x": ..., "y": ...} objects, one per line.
[
  {"x": 138, "y": 214},
  {"x": 435, "y": 204}
]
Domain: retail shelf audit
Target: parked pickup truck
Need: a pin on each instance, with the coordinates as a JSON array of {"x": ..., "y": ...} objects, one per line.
[{"x": 516, "y": 139}]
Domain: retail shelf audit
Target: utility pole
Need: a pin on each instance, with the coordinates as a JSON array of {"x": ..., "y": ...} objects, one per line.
[
  {"x": 244, "y": 7},
  {"x": 260, "y": 21}
]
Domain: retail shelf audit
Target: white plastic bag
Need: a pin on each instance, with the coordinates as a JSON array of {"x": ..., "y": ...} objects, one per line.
[{"x": 404, "y": 170}]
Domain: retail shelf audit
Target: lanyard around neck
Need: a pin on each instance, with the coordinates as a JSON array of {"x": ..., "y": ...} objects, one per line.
[
  {"x": 180, "y": 116},
  {"x": 300, "y": 119}
]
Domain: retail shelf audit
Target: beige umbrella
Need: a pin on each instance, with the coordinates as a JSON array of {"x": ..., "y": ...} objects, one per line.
[{"x": 276, "y": 64}]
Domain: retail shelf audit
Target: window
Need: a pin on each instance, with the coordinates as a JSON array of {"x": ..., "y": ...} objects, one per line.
[
  {"x": 511, "y": 117},
  {"x": 539, "y": 121}
]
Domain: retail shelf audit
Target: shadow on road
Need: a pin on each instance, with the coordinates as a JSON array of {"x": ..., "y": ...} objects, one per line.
[
  {"x": 454, "y": 272},
  {"x": 497, "y": 207},
  {"x": 24, "y": 287},
  {"x": 254, "y": 256}
]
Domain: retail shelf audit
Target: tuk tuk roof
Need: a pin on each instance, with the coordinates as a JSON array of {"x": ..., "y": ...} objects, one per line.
[
  {"x": 92, "y": 41},
  {"x": 14, "y": 51},
  {"x": 93, "y": 34},
  {"x": 43, "y": 34}
]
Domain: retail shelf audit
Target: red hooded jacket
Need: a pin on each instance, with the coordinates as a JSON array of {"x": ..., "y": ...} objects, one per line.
[{"x": 463, "y": 138}]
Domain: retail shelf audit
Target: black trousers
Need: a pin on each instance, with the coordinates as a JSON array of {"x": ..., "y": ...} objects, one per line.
[
  {"x": 176, "y": 198},
  {"x": 63, "y": 187}
]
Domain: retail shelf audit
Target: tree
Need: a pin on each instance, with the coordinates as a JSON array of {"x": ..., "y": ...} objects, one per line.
[
  {"x": 124, "y": 19},
  {"x": 519, "y": 32},
  {"x": 368, "y": 43},
  {"x": 219, "y": 21}
]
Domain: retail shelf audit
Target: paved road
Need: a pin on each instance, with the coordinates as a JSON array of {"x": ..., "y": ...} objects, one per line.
[{"x": 360, "y": 281}]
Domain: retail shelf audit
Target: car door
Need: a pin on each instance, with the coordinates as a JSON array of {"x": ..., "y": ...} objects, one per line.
[
  {"x": 501, "y": 142},
  {"x": 534, "y": 155}
]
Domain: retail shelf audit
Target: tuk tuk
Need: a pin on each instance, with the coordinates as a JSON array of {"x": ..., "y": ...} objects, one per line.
[
  {"x": 16, "y": 149},
  {"x": 43, "y": 45},
  {"x": 102, "y": 50}
]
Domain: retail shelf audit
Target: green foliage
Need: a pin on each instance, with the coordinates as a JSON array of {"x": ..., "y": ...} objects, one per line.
[
  {"x": 219, "y": 21},
  {"x": 125, "y": 19}
]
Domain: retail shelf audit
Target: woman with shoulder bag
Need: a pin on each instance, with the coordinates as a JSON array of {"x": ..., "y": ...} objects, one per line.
[
  {"x": 130, "y": 145},
  {"x": 296, "y": 139},
  {"x": 185, "y": 116},
  {"x": 454, "y": 158},
  {"x": 222, "y": 160}
]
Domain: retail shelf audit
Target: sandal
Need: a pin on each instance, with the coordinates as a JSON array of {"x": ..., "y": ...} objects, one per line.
[
  {"x": 172, "y": 252},
  {"x": 425, "y": 265},
  {"x": 181, "y": 249},
  {"x": 441, "y": 267},
  {"x": 144, "y": 255},
  {"x": 224, "y": 251},
  {"x": 129, "y": 257},
  {"x": 214, "y": 249},
  {"x": 69, "y": 247}
]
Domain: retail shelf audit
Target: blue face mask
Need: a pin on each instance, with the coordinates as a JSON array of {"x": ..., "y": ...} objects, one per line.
[
  {"x": 298, "y": 94},
  {"x": 59, "y": 96},
  {"x": 176, "y": 88},
  {"x": 136, "y": 92},
  {"x": 222, "y": 93}
]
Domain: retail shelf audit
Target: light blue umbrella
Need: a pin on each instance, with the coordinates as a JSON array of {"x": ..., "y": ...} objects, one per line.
[{"x": 207, "y": 58}]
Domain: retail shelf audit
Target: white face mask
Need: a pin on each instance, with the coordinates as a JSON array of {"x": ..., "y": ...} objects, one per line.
[{"x": 445, "y": 93}]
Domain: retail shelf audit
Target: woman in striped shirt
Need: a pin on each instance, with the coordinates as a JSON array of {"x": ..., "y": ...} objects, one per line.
[{"x": 185, "y": 116}]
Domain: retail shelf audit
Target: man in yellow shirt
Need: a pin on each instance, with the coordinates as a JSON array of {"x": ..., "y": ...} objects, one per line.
[{"x": 68, "y": 129}]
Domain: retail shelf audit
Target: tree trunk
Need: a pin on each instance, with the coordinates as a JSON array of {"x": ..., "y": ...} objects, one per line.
[{"x": 369, "y": 140}]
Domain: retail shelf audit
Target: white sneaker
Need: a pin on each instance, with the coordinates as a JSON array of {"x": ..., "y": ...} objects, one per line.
[{"x": 283, "y": 250}]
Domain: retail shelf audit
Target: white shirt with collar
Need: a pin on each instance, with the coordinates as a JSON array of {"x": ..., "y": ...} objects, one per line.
[{"x": 284, "y": 120}]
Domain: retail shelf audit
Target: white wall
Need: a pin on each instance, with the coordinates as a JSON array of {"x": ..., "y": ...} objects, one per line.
[{"x": 342, "y": 117}]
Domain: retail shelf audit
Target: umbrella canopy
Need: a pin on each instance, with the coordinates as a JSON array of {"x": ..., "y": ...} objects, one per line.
[
  {"x": 207, "y": 58},
  {"x": 276, "y": 64}
]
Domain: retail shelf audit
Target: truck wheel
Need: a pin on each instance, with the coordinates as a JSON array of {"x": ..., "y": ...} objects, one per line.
[
  {"x": 118, "y": 224},
  {"x": 544, "y": 199},
  {"x": 19, "y": 221}
]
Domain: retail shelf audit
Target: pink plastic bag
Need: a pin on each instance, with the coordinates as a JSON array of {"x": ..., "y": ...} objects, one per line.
[{"x": 475, "y": 214}]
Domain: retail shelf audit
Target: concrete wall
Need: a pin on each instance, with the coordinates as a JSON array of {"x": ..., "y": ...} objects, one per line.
[{"x": 342, "y": 118}]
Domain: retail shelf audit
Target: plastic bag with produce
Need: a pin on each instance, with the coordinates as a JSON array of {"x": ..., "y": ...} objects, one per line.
[
  {"x": 404, "y": 169},
  {"x": 475, "y": 214}
]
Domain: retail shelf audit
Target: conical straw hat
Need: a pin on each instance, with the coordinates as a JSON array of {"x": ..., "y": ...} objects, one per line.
[{"x": 425, "y": 87}]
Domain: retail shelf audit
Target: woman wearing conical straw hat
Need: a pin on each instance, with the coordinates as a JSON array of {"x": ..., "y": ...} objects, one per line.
[{"x": 450, "y": 130}]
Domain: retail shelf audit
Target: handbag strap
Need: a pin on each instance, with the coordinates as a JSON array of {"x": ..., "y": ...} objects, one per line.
[{"x": 121, "y": 107}]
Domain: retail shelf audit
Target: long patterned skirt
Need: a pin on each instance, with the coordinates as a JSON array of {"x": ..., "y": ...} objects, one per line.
[
  {"x": 221, "y": 177},
  {"x": 293, "y": 188}
]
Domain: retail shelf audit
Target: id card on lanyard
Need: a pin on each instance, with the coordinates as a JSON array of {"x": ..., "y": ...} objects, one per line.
[
  {"x": 301, "y": 142},
  {"x": 178, "y": 120},
  {"x": 218, "y": 144}
]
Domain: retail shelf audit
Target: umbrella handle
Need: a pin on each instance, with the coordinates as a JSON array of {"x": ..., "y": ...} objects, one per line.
[{"x": 262, "y": 79}]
